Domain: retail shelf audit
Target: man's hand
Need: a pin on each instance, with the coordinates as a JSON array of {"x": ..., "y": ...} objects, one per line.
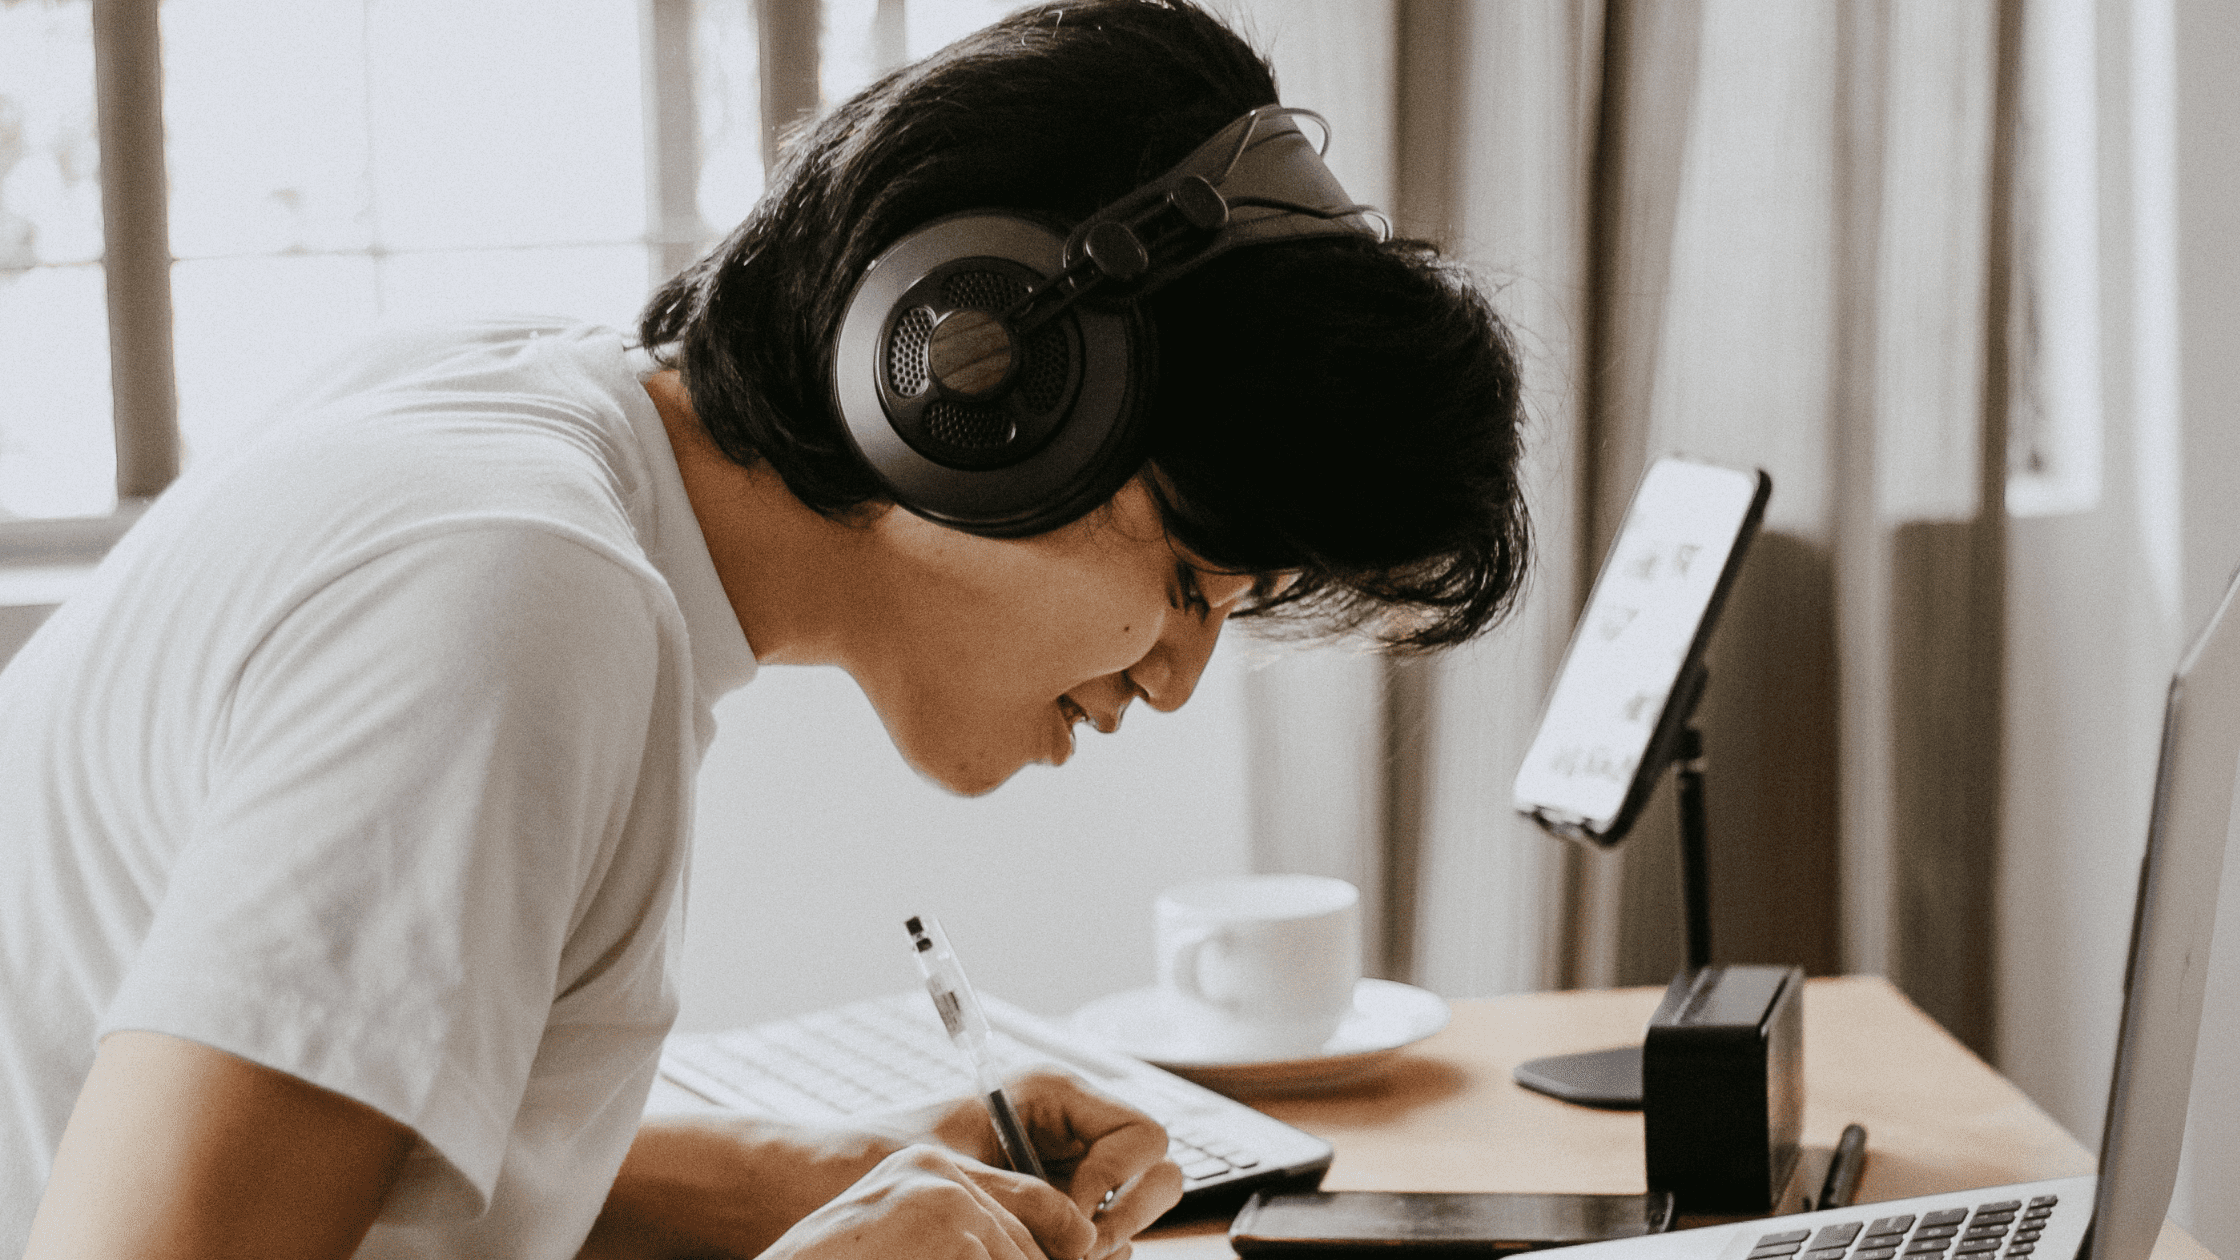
[
  {"x": 925, "y": 1203},
  {"x": 731, "y": 1186},
  {"x": 1109, "y": 1158}
]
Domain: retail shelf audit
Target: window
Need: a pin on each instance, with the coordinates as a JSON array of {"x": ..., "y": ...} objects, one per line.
[
  {"x": 333, "y": 164},
  {"x": 56, "y": 453}
]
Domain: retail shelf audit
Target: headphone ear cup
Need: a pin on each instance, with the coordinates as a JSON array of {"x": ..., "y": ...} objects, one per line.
[{"x": 962, "y": 423}]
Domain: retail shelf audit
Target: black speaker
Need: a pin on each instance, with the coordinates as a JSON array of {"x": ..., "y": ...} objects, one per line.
[
  {"x": 993, "y": 370},
  {"x": 1722, "y": 1088}
]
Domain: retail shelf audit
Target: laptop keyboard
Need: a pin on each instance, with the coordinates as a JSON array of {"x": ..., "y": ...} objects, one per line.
[
  {"x": 878, "y": 1055},
  {"x": 2005, "y": 1227}
]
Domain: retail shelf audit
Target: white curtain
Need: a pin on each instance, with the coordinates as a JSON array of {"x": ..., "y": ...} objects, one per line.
[
  {"x": 1383, "y": 775},
  {"x": 1962, "y": 278}
]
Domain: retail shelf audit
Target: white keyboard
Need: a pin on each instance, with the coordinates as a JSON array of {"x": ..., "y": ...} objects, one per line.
[{"x": 890, "y": 1052}]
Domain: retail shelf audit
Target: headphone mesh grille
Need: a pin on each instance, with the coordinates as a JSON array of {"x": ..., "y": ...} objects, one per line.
[
  {"x": 1042, "y": 380},
  {"x": 1045, "y": 370},
  {"x": 968, "y": 426},
  {"x": 983, "y": 290},
  {"x": 906, "y": 354}
]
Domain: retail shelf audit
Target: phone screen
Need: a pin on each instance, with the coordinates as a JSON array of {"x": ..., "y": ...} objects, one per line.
[
  {"x": 1302, "y": 1223},
  {"x": 1661, "y": 585}
]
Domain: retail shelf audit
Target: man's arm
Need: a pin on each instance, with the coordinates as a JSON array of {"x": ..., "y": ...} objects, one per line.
[
  {"x": 724, "y": 1185},
  {"x": 178, "y": 1150}
]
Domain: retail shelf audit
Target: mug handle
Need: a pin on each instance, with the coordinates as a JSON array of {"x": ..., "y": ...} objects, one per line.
[{"x": 1182, "y": 968}]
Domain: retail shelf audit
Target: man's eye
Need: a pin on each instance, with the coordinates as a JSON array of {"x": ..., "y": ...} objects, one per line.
[{"x": 1193, "y": 597}]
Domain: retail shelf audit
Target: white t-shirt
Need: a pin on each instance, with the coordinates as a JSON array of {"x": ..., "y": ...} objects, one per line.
[{"x": 368, "y": 756}]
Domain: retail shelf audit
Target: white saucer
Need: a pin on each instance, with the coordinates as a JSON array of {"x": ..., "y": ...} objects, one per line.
[{"x": 1386, "y": 1017}]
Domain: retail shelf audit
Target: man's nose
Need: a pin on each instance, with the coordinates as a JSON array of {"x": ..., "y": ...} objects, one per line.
[{"x": 1169, "y": 674}]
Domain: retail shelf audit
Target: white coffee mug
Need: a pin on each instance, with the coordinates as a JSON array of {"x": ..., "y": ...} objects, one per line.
[{"x": 1258, "y": 967}]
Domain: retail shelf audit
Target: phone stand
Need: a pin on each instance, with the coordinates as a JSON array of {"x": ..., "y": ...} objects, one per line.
[
  {"x": 1611, "y": 1079},
  {"x": 1623, "y": 708}
]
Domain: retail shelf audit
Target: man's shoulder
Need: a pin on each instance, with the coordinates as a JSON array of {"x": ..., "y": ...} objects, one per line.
[
  {"x": 429, "y": 353},
  {"x": 430, "y": 431},
  {"x": 490, "y": 417}
]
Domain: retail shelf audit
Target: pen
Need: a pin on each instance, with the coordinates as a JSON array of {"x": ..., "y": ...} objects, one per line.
[
  {"x": 1842, "y": 1184},
  {"x": 968, "y": 1027}
]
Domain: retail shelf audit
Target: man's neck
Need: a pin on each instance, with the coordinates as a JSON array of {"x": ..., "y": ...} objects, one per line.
[{"x": 791, "y": 573}]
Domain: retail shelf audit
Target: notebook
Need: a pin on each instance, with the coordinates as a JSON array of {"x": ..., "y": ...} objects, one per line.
[
  {"x": 2116, "y": 1213},
  {"x": 890, "y": 1052}
]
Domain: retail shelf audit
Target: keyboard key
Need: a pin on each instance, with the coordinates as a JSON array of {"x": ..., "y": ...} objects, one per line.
[
  {"x": 1199, "y": 1170},
  {"x": 1785, "y": 1236},
  {"x": 2027, "y": 1234},
  {"x": 1927, "y": 1246},
  {"x": 1825, "y": 1253},
  {"x": 1890, "y": 1225},
  {"x": 1949, "y": 1216},
  {"x": 1985, "y": 1231},
  {"x": 2045, "y": 1200},
  {"x": 2003, "y": 1205},
  {"x": 2021, "y": 1249},
  {"x": 1935, "y": 1231},
  {"x": 1774, "y": 1251},
  {"x": 1876, "y": 1253},
  {"x": 2038, "y": 1213},
  {"x": 1836, "y": 1235},
  {"x": 1970, "y": 1246}
]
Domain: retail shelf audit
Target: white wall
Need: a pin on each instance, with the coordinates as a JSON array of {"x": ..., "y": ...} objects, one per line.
[
  {"x": 2094, "y": 627},
  {"x": 815, "y": 841},
  {"x": 2206, "y": 38},
  {"x": 2101, "y": 602}
]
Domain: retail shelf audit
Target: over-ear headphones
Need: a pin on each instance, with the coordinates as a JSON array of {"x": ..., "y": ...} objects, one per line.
[{"x": 994, "y": 372}]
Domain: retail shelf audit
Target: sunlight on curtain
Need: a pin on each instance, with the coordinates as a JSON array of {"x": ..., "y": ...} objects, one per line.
[
  {"x": 1492, "y": 887},
  {"x": 2054, "y": 423}
]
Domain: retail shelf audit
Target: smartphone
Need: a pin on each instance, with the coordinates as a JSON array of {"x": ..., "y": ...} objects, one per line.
[
  {"x": 1626, "y": 686},
  {"x": 1350, "y": 1222}
]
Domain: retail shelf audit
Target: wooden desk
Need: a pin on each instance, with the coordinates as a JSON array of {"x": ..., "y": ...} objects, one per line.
[{"x": 1449, "y": 1117}]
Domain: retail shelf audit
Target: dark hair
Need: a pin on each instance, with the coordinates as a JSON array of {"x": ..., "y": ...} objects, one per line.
[{"x": 1340, "y": 407}]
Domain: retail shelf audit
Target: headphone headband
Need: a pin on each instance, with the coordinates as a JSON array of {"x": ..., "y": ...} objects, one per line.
[{"x": 1270, "y": 182}]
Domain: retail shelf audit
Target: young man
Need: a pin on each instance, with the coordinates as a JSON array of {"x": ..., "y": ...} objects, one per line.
[{"x": 346, "y": 808}]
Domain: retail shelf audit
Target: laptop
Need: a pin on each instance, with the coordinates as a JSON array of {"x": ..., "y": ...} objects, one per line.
[
  {"x": 2117, "y": 1213},
  {"x": 890, "y": 1052}
]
